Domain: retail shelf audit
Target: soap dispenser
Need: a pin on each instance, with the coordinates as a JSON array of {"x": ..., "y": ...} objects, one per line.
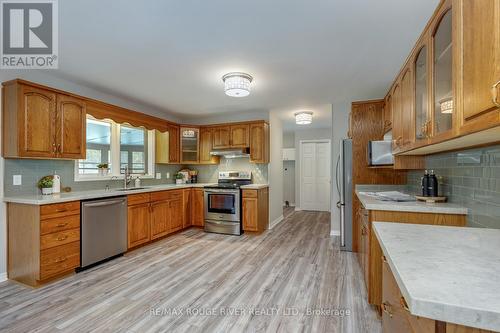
[{"x": 56, "y": 183}]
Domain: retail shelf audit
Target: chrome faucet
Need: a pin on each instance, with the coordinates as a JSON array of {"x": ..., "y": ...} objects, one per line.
[{"x": 127, "y": 177}]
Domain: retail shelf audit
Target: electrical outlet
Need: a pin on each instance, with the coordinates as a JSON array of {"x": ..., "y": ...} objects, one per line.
[
  {"x": 168, "y": 175},
  {"x": 17, "y": 180},
  {"x": 158, "y": 175}
]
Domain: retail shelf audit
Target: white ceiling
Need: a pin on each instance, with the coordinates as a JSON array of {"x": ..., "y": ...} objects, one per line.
[{"x": 302, "y": 53}]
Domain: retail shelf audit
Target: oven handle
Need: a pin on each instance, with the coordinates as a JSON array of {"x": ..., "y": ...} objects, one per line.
[{"x": 222, "y": 191}]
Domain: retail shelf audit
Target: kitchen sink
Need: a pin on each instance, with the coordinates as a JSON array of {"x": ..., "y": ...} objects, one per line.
[{"x": 131, "y": 189}]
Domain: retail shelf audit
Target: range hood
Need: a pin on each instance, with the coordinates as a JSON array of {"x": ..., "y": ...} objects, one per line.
[{"x": 231, "y": 153}]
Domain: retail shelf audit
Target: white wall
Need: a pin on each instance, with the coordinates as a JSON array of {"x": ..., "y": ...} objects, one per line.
[
  {"x": 340, "y": 119},
  {"x": 275, "y": 169},
  {"x": 306, "y": 134}
]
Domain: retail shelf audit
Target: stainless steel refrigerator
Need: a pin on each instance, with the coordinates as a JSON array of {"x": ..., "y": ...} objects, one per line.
[{"x": 344, "y": 187}]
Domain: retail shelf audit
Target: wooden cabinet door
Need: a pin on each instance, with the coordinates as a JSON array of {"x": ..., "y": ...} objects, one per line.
[
  {"x": 198, "y": 207},
  {"x": 240, "y": 136},
  {"x": 190, "y": 145},
  {"x": 407, "y": 108},
  {"x": 394, "y": 319},
  {"x": 221, "y": 137},
  {"x": 186, "y": 210},
  {"x": 479, "y": 54},
  {"x": 206, "y": 147},
  {"x": 37, "y": 128},
  {"x": 388, "y": 113},
  {"x": 160, "y": 219},
  {"x": 259, "y": 143},
  {"x": 138, "y": 224},
  {"x": 250, "y": 211},
  {"x": 174, "y": 145},
  {"x": 176, "y": 212},
  {"x": 397, "y": 120},
  {"x": 71, "y": 127}
]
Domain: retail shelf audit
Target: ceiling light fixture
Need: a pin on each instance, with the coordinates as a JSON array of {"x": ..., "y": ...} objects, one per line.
[
  {"x": 303, "y": 117},
  {"x": 237, "y": 84}
]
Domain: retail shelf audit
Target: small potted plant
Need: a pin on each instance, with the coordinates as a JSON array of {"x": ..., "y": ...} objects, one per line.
[
  {"x": 103, "y": 169},
  {"x": 179, "y": 178},
  {"x": 45, "y": 184}
]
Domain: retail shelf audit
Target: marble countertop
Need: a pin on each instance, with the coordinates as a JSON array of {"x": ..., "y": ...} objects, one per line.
[
  {"x": 38, "y": 199},
  {"x": 371, "y": 203},
  {"x": 446, "y": 273}
]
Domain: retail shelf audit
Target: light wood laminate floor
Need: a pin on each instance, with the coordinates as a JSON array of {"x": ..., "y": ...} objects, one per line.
[{"x": 197, "y": 282}]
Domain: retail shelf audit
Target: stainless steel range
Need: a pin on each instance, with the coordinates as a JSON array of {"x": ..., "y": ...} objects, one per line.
[{"x": 223, "y": 203}]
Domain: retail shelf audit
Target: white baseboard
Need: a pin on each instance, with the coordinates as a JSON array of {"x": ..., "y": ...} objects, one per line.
[
  {"x": 291, "y": 205},
  {"x": 297, "y": 208},
  {"x": 334, "y": 232},
  {"x": 275, "y": 222},
  {"x": 3, "y": 277}
]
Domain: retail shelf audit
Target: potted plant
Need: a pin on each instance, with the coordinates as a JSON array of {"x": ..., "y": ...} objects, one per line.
[
  {"x": 103, "y": 169},
  {"x": 179, "y": 178},
  {"x": 45, "y": 184}
]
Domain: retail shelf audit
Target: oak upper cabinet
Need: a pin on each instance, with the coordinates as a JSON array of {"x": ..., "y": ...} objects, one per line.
[
  {"x": 71, "y": 127},
  {"x": 478, "y": 52},
  {"x": 388, "y": 113},
  {"x": 190, "y": 143},
  {"x": 206, "y": 147},
  {"x": 259, "y": 142},
  {"x": 407, "y": 117},
  {"x": 397, "y": 118},
  {"x": 197, "y": 207},
  {"x": 221, "y": 137},
  {"x": 442, "y": 71},
  {"x": 174, "y": 146},
  {"x": 41, "y": 123},
  {"x": 240, "y": 136},
  {"x": 421, "y": 82}
]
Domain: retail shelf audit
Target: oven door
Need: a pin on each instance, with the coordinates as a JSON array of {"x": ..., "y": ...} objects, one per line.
[{"x": 222, "y": 205}]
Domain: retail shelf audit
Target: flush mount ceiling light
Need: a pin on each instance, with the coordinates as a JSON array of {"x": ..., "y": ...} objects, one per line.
[
  {"x": 303, "y": 117},
  {"x": 237, "y": 84},
  {"x": 446, "y": 105}
]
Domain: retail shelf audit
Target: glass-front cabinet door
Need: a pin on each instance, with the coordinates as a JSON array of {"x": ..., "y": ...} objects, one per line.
[
  {"x": 189, "y": 145},
  {"x": 422, "y": 122},
  {"x": 442, "y": 74}
]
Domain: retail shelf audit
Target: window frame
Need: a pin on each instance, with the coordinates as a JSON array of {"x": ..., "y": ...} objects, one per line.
[{"x": 115, "y": 156}]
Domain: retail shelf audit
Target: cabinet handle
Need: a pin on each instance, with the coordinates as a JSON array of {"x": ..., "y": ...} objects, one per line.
[
  {"x": 384, "y": 259},
  {"x": 61, "y": 259},
  {"x": 494, "y": 94},
  {"x": 61, "y": 210},
  {"x": 54, "y": 148},
  {"x": 62, "y": 238},
  {"x": 385, "y": 306},
  {"x": 403, "y": 303},
  {"x": 60, "y": 225}
]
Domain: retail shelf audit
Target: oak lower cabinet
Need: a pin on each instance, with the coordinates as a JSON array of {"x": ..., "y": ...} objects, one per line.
[
  {"x": 42, "y": 123},
  {"x": 371, "y": 264},
  {"x": 197, "y": 207},
  {"x": 156, "y": 214},
  {"x": 397, "y": 318},
  {"x": 255, "y": 209},
  {"x": 43, "y": 241}
]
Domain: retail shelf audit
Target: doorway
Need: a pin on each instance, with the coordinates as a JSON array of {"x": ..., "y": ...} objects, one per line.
[{"x": 315, "y": 181}]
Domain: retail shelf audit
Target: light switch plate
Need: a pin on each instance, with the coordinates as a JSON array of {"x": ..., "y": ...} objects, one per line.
[
  {"x": 168, "y": 175},
  {"x": 158, "y": 175},
  {"x": 17, "y": 180}
]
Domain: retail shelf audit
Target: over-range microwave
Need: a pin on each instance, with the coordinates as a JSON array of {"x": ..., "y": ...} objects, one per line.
[{"x": 380, "y": 153}]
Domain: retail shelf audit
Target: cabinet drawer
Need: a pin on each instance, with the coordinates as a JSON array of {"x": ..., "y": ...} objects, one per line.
[
  {"x": 59, "y": 224},
  {"x": 166, "y": 195},
  {"x": 59, "y": 210},
  {"x": 59, "y": 259},
  {"x": 139, "y": 198},
  {"x": 59, "y": 238},
  {"x": 249, "y": 193}
]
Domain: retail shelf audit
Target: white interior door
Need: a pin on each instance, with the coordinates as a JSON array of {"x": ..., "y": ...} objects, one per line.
[{"x": 315, "y": 176}]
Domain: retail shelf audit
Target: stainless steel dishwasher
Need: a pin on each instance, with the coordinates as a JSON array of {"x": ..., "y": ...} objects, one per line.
[{"x": 103, "y": 230}]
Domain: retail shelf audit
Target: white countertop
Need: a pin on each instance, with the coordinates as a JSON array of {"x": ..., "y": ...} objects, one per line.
[
  {"x": 38, "y": 199},
  {"x": 449, "y": 274},
  {"x": 371, "y": 203}
]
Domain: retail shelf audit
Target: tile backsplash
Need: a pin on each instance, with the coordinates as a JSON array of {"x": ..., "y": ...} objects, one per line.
[
  {"x": 32, "y": 170},
  {"x": 470, "y": 178}
]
